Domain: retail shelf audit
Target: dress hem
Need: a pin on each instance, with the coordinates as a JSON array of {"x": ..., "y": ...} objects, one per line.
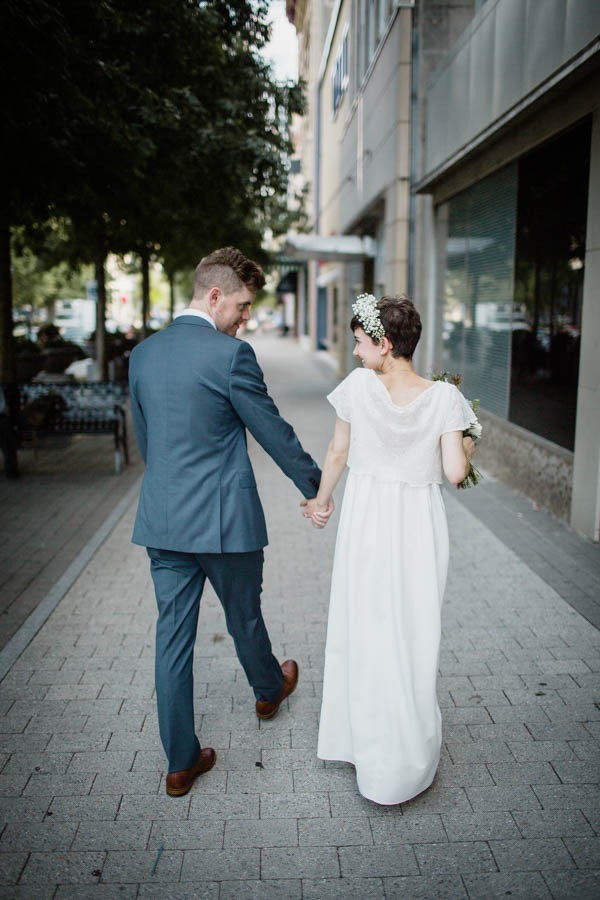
[{"x": 372, "y": 799}]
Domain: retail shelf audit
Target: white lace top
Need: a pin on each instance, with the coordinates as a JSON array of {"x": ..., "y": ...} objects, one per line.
[{"x": 398, "y": 443}]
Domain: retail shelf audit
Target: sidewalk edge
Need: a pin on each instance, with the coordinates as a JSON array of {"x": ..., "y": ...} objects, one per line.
[{"x": 34, "y": 622}]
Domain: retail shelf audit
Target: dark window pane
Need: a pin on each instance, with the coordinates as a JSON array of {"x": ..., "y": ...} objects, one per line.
[
  {"x": 549, "y": 268},
  {"x": 478, "y": 287}
]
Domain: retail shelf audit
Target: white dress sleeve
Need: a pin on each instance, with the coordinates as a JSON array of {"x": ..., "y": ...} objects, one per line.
[
  {"x": 458, "y": 413},
  {"x": 340, "y": 399}
]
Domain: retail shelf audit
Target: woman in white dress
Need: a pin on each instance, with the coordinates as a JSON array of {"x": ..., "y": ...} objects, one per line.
[{"x": 396, "y": 432}]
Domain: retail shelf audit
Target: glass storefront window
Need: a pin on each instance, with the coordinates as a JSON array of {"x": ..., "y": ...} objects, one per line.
[
  {"x": 478, "y": 287},
  {"x": 549, "y": 270},
  {"x": 514, "y": 266}
]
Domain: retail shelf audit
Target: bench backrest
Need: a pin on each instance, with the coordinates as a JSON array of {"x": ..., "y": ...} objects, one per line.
[
  {"x": 78, "y": 392},
  {"x": 58, "y": 406}
]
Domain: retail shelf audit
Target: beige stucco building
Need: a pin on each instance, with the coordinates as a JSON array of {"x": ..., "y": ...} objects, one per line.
[{"x": 356, "y": 159}]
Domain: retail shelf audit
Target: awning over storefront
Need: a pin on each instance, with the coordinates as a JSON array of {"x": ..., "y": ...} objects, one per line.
[
  {"x": 288, "y": 284},
  {"x": 339, "y": 247}
]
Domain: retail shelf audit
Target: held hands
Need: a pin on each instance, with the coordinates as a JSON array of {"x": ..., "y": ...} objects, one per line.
[{"x": 318, "y": 513}]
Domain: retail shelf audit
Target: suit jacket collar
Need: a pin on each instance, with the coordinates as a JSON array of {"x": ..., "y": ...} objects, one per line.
[{"x": 192, "y": 320}]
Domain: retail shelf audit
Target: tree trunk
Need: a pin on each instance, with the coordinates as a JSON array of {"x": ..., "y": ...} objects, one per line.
[
  {"x": 8, "y": 366},
  {"x": 50, "y": 305},
  {"x": 101, "y": 354},
  {"x": 171, "y": 277},
  {"x": 145, "y": 259}
]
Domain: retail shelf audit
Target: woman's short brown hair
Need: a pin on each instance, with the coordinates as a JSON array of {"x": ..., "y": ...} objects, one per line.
[{"x": 402, "y": 324}]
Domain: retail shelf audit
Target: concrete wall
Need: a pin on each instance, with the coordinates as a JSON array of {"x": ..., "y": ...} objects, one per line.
[
  {"x": 311, "y": 20},
  {"x": 540, "y": 469},
  {"x": 336, "y": 172},
  {"x": 366, "y": 144},
  {"x": 365, "y": 160}
]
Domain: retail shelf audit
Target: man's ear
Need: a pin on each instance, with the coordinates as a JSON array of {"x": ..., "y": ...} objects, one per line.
[{"x": 213, "y": 296}]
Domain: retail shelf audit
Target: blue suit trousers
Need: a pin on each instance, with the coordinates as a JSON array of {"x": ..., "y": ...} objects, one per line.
[{"x": 179, "y": 580}]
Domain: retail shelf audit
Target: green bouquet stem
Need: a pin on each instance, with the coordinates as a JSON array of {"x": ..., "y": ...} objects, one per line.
[{"x": 474, "y": 476}]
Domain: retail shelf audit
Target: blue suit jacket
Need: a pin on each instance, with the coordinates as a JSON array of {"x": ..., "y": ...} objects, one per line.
[{"x": 194, "y": 391}]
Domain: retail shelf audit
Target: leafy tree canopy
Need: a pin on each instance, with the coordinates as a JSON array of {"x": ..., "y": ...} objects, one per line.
[
  {"x": 143, "y": 122},
  {"x": 145, "y": 125}
]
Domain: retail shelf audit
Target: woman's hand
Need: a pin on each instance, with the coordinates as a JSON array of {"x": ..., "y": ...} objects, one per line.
[
  {"x": 321, "y": 515},
  {"x": 468, "y": 446},
  {"x": 317, "y": 511}
]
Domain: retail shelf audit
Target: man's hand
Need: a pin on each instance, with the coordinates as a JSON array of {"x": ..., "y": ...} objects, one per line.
[{"x": 318, "y": 513}]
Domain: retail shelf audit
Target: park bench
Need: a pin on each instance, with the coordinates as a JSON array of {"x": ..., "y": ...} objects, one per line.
[{"x": 91, "y": 407}]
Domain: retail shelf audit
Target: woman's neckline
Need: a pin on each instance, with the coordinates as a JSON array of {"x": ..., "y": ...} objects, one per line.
[{"x": 389, "y": 396}]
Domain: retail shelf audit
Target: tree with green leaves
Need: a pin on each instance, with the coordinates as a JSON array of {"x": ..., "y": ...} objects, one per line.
[{"x": 151, "y": 127}]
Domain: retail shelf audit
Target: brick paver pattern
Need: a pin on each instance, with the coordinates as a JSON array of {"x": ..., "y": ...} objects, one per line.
[
  {"x": 513, "y": 810},
  {"x": 66, "y": 490}
]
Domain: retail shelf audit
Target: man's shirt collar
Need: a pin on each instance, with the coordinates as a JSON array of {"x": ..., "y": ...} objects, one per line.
[{"x": 191, "y": 311}]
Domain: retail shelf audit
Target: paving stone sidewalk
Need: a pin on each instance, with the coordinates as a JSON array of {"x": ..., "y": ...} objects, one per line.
[
  {"x": 67, "y": 489},
  {"x": 514, "y": 808}
]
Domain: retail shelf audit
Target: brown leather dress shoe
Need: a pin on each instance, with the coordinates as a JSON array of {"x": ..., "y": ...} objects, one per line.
[
  {"x": 266, "y": 709},
  {"x": 179, "y": 783}
]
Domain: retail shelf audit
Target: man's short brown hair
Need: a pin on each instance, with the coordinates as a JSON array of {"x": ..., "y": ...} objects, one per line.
[{"x": 229, "y": 270}]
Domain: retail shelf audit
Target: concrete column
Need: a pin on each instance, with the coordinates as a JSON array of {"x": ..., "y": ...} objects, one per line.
[
  {"x": 429, "y": 282},
  {"x": 312, "y": 304},
  {"x": 301, "y": 303},
  {"x": 585, "y": 508},
  {"x": 425, "y": 298},
  {"x": 396, "y": 236},
  {"x": 344, "y": 315}
]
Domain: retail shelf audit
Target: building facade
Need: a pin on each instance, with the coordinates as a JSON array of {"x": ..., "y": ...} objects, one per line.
[
  {"x": 356, "y": 159},
  {"x": 507, "y": 266},
  {"x": 311, "y": 21},
  {"x": 459, "y": 140}
]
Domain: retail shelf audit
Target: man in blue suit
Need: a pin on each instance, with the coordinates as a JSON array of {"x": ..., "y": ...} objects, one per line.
[{"x": 195, "y": 389}]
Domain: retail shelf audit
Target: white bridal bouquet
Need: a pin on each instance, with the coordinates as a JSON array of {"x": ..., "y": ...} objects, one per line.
[{"x": 474, "y": 430}]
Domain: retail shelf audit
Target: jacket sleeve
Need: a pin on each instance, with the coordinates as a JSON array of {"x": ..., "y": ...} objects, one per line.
[
  {"x": 139, "y": 420},
  {"x": 249, "y": 398}
]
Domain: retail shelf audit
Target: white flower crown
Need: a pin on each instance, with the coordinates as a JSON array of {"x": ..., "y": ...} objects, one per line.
[{"x": 365, "y": 310}]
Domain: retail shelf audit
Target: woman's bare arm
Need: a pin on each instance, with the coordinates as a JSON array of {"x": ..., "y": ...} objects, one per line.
[
  {"x": 456, "y": 456},
  {"x": 321, "y": 507}
]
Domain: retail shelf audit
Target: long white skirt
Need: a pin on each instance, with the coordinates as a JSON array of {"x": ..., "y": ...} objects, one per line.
[{"x": 380, "y": 709}]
